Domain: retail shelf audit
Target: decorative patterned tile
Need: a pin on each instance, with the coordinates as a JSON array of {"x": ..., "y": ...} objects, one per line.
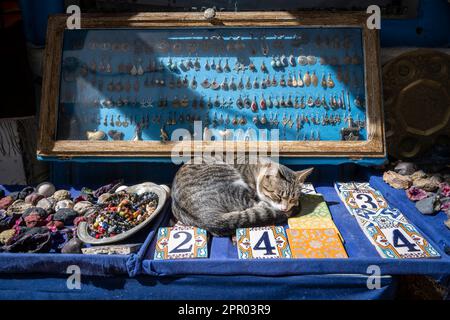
[
  {"x": 181, "y": 242},
  {"x": 369, "y": 199},
  {"x": 398, "y": 240},
  {"x": 308, "y": 188},
  {"x": 315, "y": 243},
  {"x": 386, "y": 228},
  {"x": 352, "y": 186},
  {"x": 262, "y": 243}
]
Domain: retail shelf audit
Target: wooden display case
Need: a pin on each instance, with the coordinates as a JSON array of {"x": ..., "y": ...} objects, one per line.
[{"x": 128, "y": 53}]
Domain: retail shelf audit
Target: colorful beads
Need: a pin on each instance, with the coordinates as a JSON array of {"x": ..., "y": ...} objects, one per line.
[{"x": 121, "y": 212}]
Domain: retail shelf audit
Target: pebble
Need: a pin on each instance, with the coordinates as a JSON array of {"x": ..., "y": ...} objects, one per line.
[
  {"x": 58, "y": 225},
  {"x": 18, "y": 208},
  {"x": 419, "y": 174},
  {"x": 405, "y": 168},
  {"x": 47, "y": 189},
  {"x": 61, "y": 195},
  {"x": 34, "y": 198},
  {"x": 416, "y": 194},
  {"x": 25, "y": 192},
  {"x": 428, "y": 205},
  {"x": 66, "y": 215},
  {"x": 74, "y": 245},
  {"x": 396, "y": 180},
  {"x": 63, "y": 204},
  {"x": 82, "y": 206},
  {"x": 6, "y": 202},
  {"x": 47, "y": 204},
  {"x": 104, "y": 198},
  {"x": 6, "y": 235},
  {"x": 34, "y": 220},
  {"x": 428, "y": 184},
  {"x": 445, "y": 204},
  {"x": 36, "y": 211},
  {"x": 444, "y": 189}
]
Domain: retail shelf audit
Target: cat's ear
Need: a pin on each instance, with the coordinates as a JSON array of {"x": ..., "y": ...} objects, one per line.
[{"x": 302, "y": 175}]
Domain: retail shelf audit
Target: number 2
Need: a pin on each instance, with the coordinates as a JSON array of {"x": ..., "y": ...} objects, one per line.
[{"x": 179, "y": 249}]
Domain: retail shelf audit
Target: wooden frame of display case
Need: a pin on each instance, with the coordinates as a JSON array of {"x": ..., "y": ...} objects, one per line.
[{"x": 48, "y": 146}]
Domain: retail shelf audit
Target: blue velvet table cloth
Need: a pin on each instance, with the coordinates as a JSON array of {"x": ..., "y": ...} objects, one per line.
[{"x": 224, "y": 260}]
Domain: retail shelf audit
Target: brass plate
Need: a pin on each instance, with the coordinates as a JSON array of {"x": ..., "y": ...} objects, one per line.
[{"x": 417, "y": 102}]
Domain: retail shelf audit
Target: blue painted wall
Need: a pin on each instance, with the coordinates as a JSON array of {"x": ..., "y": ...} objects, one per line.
[{"x": 431, "y": 28}]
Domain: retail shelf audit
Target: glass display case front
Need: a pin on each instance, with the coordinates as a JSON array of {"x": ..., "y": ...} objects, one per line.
[{"x": 142, "y": 84}]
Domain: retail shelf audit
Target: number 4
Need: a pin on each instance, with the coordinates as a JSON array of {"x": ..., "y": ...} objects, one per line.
[
  {"x": 267, "y": 245},
  {"x": 398, "y": 236}
]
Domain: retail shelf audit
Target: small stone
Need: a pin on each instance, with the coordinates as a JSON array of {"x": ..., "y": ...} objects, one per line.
[
  {"x": 47, "y": 189},
  {"x": 25, "y": 192},
  {"x": 6, "y": 235},
  {"x": 55, "y": 225},
  {"x": 427, "y": 184},
  {"x": 104, "y": 198},
  {"x": 18, "y": 208},
  {"x": 6, "y": 202},
  {"x": 82, "y": 206},
  {"x": 36, "y": 211},
  {"x": 34, "y": 220},
  {"x": 396, "y": 180},
  {"x": 61, "y": 195},
  {"x": 427, "y": 205},
  {"x": 418, "y": 175},
  {"x": 34, "y": 198},
  {"x": 444, "y": 189},
  {"x": 66, "y": 215},
  {"x": 63, "y": 204},
  {"x": 47, "y": 204},
  {"x": 74, "y": 245},
  {"x": 416, "y": 194},
  {"x": 405, "y": 168},
  {"x": 445, "y": 204}
]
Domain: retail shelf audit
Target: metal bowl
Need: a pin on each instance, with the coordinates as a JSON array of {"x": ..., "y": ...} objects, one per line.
[{"x": 163, "y": 193}]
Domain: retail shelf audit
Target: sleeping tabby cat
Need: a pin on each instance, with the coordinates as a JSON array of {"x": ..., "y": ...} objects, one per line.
[{"x": 221, "y": 198}]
